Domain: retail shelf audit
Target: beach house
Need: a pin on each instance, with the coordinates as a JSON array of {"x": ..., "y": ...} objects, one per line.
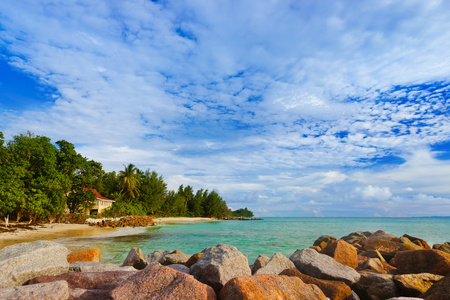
[{"x": 101, "y": 203}]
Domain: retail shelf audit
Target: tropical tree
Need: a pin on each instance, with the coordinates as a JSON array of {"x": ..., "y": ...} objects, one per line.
[
  {"x": 152, "y": 191},
  {"x": 129, "y": 182},
  {"x": 188, "y": 194}
]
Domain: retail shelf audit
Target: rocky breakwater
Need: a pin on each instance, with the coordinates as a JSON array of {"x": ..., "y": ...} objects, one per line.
[
  {"x": 130, "y": 221},
  {"x": 358, "y": 266}
]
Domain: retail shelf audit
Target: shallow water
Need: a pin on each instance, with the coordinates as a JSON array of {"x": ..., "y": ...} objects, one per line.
[{"x": 271, "y": 235}]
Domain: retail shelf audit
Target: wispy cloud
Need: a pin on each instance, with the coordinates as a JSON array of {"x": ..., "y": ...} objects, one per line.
[{"x": 303, "y": 108}]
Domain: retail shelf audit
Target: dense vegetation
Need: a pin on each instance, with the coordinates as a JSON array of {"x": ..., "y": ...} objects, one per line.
[
  {"x": 40, "y": 180},
  {"x": 242, "y": 212}
]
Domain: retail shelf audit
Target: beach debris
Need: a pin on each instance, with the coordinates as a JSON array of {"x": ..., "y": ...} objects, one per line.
[
  {"x": 423, "y": 261},
  {"x": 160, "y": 282},
  {"x": 414, "y": 285},
  {"x": 57, "y": 290},
  {"x": 277, "y": 264},
  {"x": 268, "y": 287},
  {"x": 84, "y": 255},
  {"x": 335, "y": 290},
  {"x": 260, "y": 262},
  {"x": 342, "y": 252},
  {"x": 22, "y": 262},
  {"x": 220, "y": 264},
  {"x": 381, "y": 286},
  {"x": 135, "y": 259},
  {"x": 310, "y": 262}
]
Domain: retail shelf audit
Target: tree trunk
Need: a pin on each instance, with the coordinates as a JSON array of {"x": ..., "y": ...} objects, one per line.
[
  {"x": 7, "y": 221},
  {"x": 18, "y": 217}
]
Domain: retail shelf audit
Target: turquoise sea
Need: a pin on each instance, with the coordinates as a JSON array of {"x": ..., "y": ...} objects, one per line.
[{"x": 268, "y": 236}]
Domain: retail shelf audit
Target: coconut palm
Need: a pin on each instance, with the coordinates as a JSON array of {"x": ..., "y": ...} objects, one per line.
[{"x": 129, "y": 181}]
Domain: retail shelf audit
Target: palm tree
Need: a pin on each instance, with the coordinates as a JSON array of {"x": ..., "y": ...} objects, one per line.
[{"x": 129, "y": 181}]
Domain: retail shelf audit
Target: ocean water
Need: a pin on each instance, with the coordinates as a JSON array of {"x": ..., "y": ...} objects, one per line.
[{"x": 267, "y": 236}]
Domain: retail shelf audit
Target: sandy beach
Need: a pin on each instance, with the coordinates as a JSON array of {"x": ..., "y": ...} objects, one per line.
[{"x": 60, "y": 230}]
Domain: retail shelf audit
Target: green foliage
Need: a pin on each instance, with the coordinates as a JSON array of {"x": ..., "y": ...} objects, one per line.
[
  {"x": 242, "y": 212},
  {"x": 129, "y": 181},
  {"x": 152, "y": 192},
  {"x": 122, "y": 208}
]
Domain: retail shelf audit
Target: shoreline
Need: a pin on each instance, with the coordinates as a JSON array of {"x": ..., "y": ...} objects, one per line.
[{"x": 62, "y": 230}]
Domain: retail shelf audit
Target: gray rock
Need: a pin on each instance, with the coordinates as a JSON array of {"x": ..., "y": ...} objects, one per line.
[
  {"x": 156, "y": 256},
  {"x": 22, "y": 262},
  {"x": 57, "y": 290},
  {"x": 260, "y": 262},
  {"x": 277, "y": 264},
  {"x": 135, "y": 259},
  {"x": 312, "y": 263},
  {"x": 93, "y": 266},
  {"x": 180, "y": 268},
  {"x": 175, "y": 258},
  {"x": 220, "y": 264},
  {"x": 382, "y": 286},
  {"x": 355, "y": 296}
]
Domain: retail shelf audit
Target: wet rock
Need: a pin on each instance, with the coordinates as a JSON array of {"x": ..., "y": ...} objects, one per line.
[
  {"x": 160, "y": 282},
  {"x": 268, "y": 287},
  {"x": 388, "y": 249},
  {"x": 371, "y": 265},
  {"x": 342, "y": 252},
  {"x": 321, "y": 266},
  {"x": 277, "y": 264},
  {"x": 423, "y": 261},
  {"x": 220, "y": 264},
  {"x": 180, "y": 268},
  {"x": 445, "y": 247},
  {"x": 416, "y": 284},
  {"x": 22, "y": 262},
  {"x": 438, "y": 291},
  {"x": 135, "y": 259},
  {"x": 194, "y": 259},
  {"x": 381, "y": 286},
  {"x": 334, "y": 290},
  {"x": 84, "y": 255},
  {"x": 156, "y": 256},
  {"x": 260, "y": 262},
  {"x": 323, "y": 240},
  {"x": 57, "y": 290}
]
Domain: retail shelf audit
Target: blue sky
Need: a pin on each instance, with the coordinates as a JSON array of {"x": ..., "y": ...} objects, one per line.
[{"x": 289, "y": 108}]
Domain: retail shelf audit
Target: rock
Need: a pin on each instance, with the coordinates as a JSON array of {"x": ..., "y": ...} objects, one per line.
[
  {"x": 372, "y": 254},
  {"x": 354, "y": 237},
  {"x": 89, "y": 294},
  {"x": 406, "y": 241},
  {"x": 88, "y": 280},
  {"x": 389, "y": 268},
  {"x": 175, "y": 257},
  {"x": 84, "y": 255},
  {"x": 160, "y": 282},
  {"x": 445, "y": 247},
  {"x": 93, "y": 266},
  {"x": 342, "y": 252},
  {"x": 416, "y": 284},
  {"x": 317, "y": 248},
  {"x": 436, "y": 246},
  {"x": 439, "y": 291},
  {"x": 156, "y": 256},
  {"x": 335, "y": 290},
  {"x": 57, "y": 290},
  {"x": 423, "y": 261},
  {"x": 268, "y": 287},
  {"x": 321, "y": 266},
  {"x": 135, "y": 259},
  {"x": 22, "y": 262},
  {"x": 371, "y": 265},
  {"x": 381, "y": 286},
  {"x": 354, "y": 296},
  {"x": 387, "y": 248},
  {"x": 418, "y": 241},
  {"x": 194, "y": 259},
  {"x": 277, "y": 264},
  {"x": 380, "y": 234},
  {"x": 323, "y": 240},
  {"x": 405, "y": 298},
  {"x": 180, "y": 268},
  {"x": 260, "y": 262},
  {"x": 220, "y": 264}
]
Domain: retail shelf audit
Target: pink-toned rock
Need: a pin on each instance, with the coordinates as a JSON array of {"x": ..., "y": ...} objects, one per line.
[
  {"x": 160, "y": 282},
  {"x": 57, "y": 290},
  {"x": 342, "y": 252},
  {"x": 423, "y": 261},
  {"x": 335, "y": 290},
  {"x": 135, "y": 259},
  {"x": 268, "y": 287},
  {"x": 84, "y": 255}
]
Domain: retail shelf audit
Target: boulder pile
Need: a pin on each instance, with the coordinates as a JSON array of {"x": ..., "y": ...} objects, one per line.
[
  {"x": 361, "y": 265},
  {"x": 130, "y": 221}
]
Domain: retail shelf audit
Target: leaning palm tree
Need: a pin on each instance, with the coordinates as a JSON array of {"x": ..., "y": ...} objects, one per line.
[{"x": 129, "y": 181}]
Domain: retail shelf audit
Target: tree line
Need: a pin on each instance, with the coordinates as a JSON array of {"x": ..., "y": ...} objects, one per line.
[{"x": 40, "y": 180}]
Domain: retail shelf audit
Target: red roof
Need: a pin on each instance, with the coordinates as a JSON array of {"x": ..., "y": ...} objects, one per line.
[{"x": 97, "y": 194}]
